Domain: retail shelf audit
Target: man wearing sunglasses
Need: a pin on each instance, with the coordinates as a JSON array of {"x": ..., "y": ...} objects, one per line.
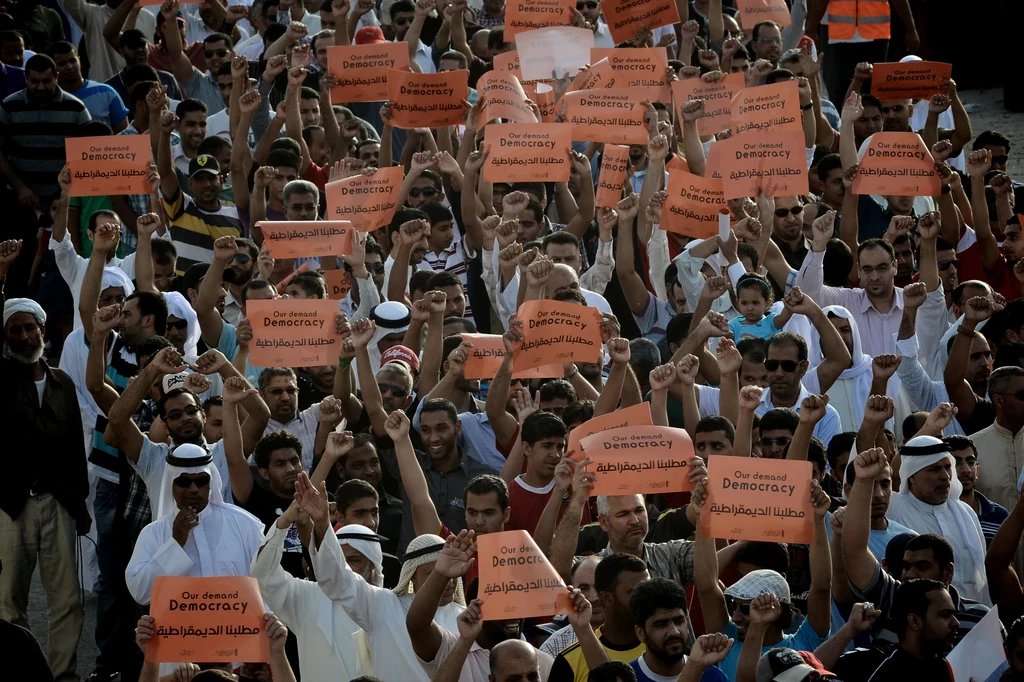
[
  {"x": 217, "y": 48},
  {"x": 196, "y": 533}
]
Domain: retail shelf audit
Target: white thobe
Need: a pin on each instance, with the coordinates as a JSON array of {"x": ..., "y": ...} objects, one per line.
[{"x": 380, "y": 612}]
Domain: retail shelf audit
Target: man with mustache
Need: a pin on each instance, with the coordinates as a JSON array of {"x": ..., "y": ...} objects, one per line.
[
  {"x": 995, "y": 444},
  {"x": 990, "y": 514}
]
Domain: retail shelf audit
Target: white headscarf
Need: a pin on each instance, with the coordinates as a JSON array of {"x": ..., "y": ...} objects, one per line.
[
  {"x": 115, "y": 277},
  {"x": 178, "y": 306},
  {"x": 423, "y": 550},
  {"x": 956, "y": 519},
  {"x": 391, "y": 317},
  {"x": 859, "y": 374},
  {"x": 186, "y": 459},
  {"x": 367, "y": 543},
  {"x": 23, "y": 305}
]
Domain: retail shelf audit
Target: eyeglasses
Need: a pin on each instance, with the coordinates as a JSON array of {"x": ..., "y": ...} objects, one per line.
[
  {"x": 867, "y": 270},
  {"x": 190, "y": 411},
  {"x": 240, "y": 258},
  {"x": 788, "y": 366},
  {"x": 425, "y": 192},
  {"x": 216, "y": 53},
  {"x": 580, "y": 6},
  {"x": 397, "y": 391},
  {"x": 783, "y": 212},
  {"x": 1001, "y": 159},
  {"x": 1019, "y": 395},
  {"x": 200, "y": 481},
  {"x": 780, "y": 442},
  {"x": 733, "y": 605},
  {"x": 111, "y": 300},
  {"x": 180, "y": 325},
  {"x": 944, "y": 264}
]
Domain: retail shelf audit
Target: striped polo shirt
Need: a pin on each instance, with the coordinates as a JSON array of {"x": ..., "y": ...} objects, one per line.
[
  {"x": 32, "y": 136},
  {"x": 194, "y": 230},
  {"x": 103, "y": 102},
  {"x": 455, "y": 259}
]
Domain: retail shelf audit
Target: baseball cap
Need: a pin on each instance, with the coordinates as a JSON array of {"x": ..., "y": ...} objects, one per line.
[
  {"x": 782, "y": 665},
  {"x": 203, "y": 163},
  {"x": 369, "y": 35},
  {"x": 160, "y": 21},
  {"x": 401, "y": 354},
  {"x": 762, "y": 581}
]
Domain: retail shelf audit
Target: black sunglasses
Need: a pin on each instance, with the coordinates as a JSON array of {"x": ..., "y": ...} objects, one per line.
[
  {"x": 240, "y": 258},
  {"x": 586, "y": 5},
  {"x": 180, "y": 325},
  {"x": 783, "y": 212},
  {"x": 190, "y": 410},
  {"x": 1001, "y": 159},
  {"x": 216, "y": 53},
  {"x": 425, "y": 192},
  {"x": 733, "y": 605},
  {"x": 396, "y": 391},
  {"x": 376, "y": 268},
  {"x": 944, "y": 264},
  {"x": 184, "y": 481},
  {"x": 788, "y": 366}
]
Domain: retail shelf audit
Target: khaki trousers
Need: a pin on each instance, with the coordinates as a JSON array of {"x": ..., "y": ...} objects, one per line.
[{"x": 44, "y": 531}]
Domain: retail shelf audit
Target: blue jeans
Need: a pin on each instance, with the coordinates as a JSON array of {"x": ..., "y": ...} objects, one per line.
[{"x": 116, "y": 611}]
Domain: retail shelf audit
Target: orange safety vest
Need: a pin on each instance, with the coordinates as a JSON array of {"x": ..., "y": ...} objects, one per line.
[{"x": 870, "y": 16}]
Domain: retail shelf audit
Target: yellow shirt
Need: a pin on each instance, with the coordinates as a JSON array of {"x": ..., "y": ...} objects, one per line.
[{"x": 570, "y": 665}]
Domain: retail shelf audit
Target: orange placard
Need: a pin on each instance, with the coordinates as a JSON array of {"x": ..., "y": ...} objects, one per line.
[
  {"x": 427, "y": 100},
  {"x": 293, "y": 332},
  {"x": 636, "y": 415},
  {"x": 366, "y": 201},
  {"x": 362, "y": 70},
  {"x": 509, "y": 62},
  {"x": 676, "y": 162},
  {"x": 527, "y": 152},
  {"x": 307, "y": 238},
  {"x": 556, "y": 49},
  {"x": 692, "y": 205},
  {"x": 638, "y": 67},
  {"x": 614, "y": 115},
  {"x": 338, "y": 284},
  {"x": 775, "y": 161},
  {"x": 753, "y": 12},
  {"x": 487, "y": 354},
  {"x": 640, "y": 459},
  {"x": 764, "y": 500},
  {"x": 596, "y": 76},
  {"x": 625, "y": 17},
  {"x": 526, "y": 15},
  {"x": 717, "y": 98},
  {"x": 898, "y": 164},
  {"x": 775, "y": 107},
  {"x": 614, "y": 161},
  {"x": 503, "y": 97},
  {"x": 554, "y": 331},
  {"x": 516, "y": 579},
  {"x": 103, "y": 166},
  {"x": 207, "y": 619},
  {"x": 908, "y": 80},
  {"x": 543, "y": 95}
]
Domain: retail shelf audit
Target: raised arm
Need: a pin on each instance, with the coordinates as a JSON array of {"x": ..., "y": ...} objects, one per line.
[
  {"x": 812, "y": 411},
  {"x": 836, "y": 354},
  {"x": 181, "y": 67},
  {"x": 104, "y": 321},
  {"x": 116, "y": 22},
  {"x": 121, "y": 431},
  {"x": 456, "y": 558},
  {"x": 105, "y": 238},
  {"x": 241, "y": 155},
  {"x": 693, "y": 150},
  {"x": 585, "y": 214},
  {"x": 729, "y": 363},
  {"x": 410, "y": 234},
  {"x": 563, "y": 545},
  {"x": 432, "y": 360},
  {"x": 633, "y": 287},
  {"x": 819, "y": 598},
  {"x": 1003, "y": 581},
  {"x": 504, "y": 424},
  {"x": 236, "y": 389},
  {"x": 978, "y": 165},
  {"x": 954, "y": 375},
  {"x": 210, "y": 321},
  {"x": 608, "y": 400},
  {"x": 293, "y": 121},
  {"x": 749, "y": 401},
  {"x": 705, "y": 580},
  {"x": 424, "y": 515},
  {"x": 860, "y": 562}
]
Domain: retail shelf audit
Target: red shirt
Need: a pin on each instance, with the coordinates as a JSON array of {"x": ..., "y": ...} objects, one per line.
[
  {"x": 528, "y": 504},
  {"x": 1001, "y": 280},
  {"x": 318, "y": 175},
  {"x": 160, "y": 59}
]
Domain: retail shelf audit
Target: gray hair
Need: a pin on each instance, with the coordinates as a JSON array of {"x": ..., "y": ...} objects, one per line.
[
  {"x": 644, "y": 355},
  {"x": 790, "y": 56},
  {"x": 271, "y": 372},
  {"x": 604, "y": 503},
  {"x": 300, "y": 187},
  {"x": 397, "y": 368},
  {"x": 1001, "y": 378}
]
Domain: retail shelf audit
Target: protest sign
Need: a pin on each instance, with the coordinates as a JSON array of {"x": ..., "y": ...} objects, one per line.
[
  {"x": 293, "y": 332},
  {"x": 753, "y": 12},
  {"x": 503, "y": 97},
  {"x": 543, "y": 95},
  {"x": 554, "y": 331},
  {"x": 775, "y": 107},
  {"x": 677, "y": 162},
  {"x": 625, "y": 17},
  {"x": 636, "y": 415},
  {"x": 640, "y": 459},
  {"x": 979, "y": 656},
  {"x": 526, "y": 15},
  {"x": 898, "y": 164},
  {"x": 362, "y": 70},
  {"x": 104, "y": 166},
  {"x": 692, "y": 205},
  {"x": 487, "y": 354},
  {"x": 908, "y": 80},
  {"x": 527, "y": 152},
  {"x": 516, "y": 579},
  {"x": 638, "y": 67},
  {"x": 765, "y": 500},
  {"x": 338, "y": 284},
  {"x": 614, "y": 161},
  {"x": 216, "y": 620},
  {"x": 717, "y": 98},
  {"x": 775, "y": 161},
  {"x": 427, "y": 100},
  {"x": 715, "y": 161},
  {"x": 508, "y": 62},
  {"x": 307, "y": 238},
  {"x": 596, "y": 76},
  {"x": 366, "y": 201},
  {"x": 615, "y": 115},
  {"x": 561, "y": 49}
]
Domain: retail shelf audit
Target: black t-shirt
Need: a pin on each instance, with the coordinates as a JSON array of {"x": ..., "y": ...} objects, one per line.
[
  {"x": 900, "y": 665},
  {"x": 267, "y": 507},
  {"x": 19, "y": 645},
  {"x": 983, "y": 416}
]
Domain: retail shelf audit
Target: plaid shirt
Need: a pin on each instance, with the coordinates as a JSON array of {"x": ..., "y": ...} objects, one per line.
[{"x": 136, "y": 507}]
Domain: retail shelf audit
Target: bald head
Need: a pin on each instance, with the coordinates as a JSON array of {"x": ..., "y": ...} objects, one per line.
[
  {"x": 514, "y": 661},
  {"x": 562, "y": 277}
]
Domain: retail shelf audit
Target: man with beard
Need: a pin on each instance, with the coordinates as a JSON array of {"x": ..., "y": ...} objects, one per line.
[
  {"x": 362, "y": 274},
  {"x": 238, "y": 272},
  {"x": 658, "y": 607},
  {"x": 990, "y": 514},
  {"x": 996, "y": 443},
  {"x": 766, "y": 42},
  {"x": 43, "y": 499},
  {"x": 409, "y": 244},
  {"x": 967, "y": 377},
  {"x": 182, "y": 415},
  {"x": 194, "y": 83},
  {"x": 280, "y": 391},
  {"x": 787, "y": 230},
  {"x": 133, "y": 46}
]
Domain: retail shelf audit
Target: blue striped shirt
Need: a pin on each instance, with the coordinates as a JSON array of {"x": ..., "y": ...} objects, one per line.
[{"x": 103, "y": 102}]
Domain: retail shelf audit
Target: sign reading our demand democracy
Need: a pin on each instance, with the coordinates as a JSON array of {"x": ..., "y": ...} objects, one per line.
[{"x": 104, "y": 166}]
